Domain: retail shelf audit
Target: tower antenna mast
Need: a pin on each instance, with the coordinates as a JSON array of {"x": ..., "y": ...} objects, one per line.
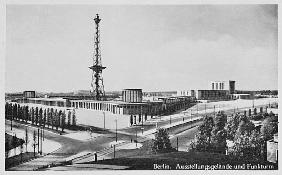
[{"x": 97, "y": 85}]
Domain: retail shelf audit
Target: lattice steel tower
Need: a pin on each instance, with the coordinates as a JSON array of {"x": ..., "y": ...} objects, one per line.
[{"x": 97, "y": 85}]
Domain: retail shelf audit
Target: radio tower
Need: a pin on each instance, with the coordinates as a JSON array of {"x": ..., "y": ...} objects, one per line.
[{"x": 97, "y": 86}]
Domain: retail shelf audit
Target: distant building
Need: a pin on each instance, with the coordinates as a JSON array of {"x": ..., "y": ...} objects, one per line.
[
  {"x": 219, "y": 90},
  {"x": 60, "y": 102},
  {"x": 132, "y": 95},
  {"x": 224, "y": 85},
  {"x": 183, "y": 93},
  {"x": 132, "y": 109},
  {"x": 29, "y": 94},
  {"x": 212, "y": 94}
]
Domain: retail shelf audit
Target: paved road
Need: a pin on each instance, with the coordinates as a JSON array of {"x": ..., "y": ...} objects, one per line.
[{"x": 69, "y": 146}]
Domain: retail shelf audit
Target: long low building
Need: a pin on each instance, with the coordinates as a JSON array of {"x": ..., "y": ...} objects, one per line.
[
  {"x": 92, "y": 112},
  {"x": 60, "y": 102},
  {"x": 211, "y": 94}
]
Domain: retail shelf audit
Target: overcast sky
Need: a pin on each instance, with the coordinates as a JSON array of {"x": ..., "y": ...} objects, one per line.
[{"x": 50, "y": 47}]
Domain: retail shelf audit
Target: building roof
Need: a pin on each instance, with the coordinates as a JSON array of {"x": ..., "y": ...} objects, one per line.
[
  {"x": 211, "y": 90},
  {"x": 113, "y": 102},
  {"x": 48, "y": 99}
]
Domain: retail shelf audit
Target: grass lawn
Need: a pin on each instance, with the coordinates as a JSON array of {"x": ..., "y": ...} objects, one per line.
[{"x": 16, "y": 160}]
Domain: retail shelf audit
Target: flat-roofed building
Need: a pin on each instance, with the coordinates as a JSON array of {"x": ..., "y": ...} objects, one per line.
[
  {"x": 223, "y": 85},
  {"x": 212, "y": 94},
  {"x": 131, "y": 110},
  {"x": 60, "y": 102},
  {"x": 132, "y": 95}
]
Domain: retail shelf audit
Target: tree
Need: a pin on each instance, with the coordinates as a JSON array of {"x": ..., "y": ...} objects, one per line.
[
  {"x": 69, "y": 118},
  {"x": 269, "y": 127},
  {"x": 161, "y": 143},
  {"x": 52, "y": 116},
  {"x": 248, "y": 146},
  {"x": 73, "y": 118},
  {"x": 63, "y": 121},
  {"x": 40, "y": 116},
  {"x": 26, "y": 139},
  {"x": 232, "y": 126},
  {"x": 11, "y": 111},
  {"x": 36, "y": 115},
  {"x": 34, "y": 142},
  {"x": 255, "y": 111},
  {"x": 202, "y": 141},
  {"x": 15, "y": 111},
  {"x": 26, "y": 113},
  {"x": 219, "y": 134},
  {"x": 44, "y": 117},
  {"x": 48, "y": 117},
  {"x": 57, "y": 120},
  {"x": 20, "y": 111},
  {"x": 32, "y": 115},
  {"x": 245, "y": 127}
]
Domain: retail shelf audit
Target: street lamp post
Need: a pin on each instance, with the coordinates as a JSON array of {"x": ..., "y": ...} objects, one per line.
[{"x": 214, "y": 110}]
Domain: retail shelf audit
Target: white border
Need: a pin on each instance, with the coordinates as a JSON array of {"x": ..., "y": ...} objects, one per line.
[{"x": 128, "y": 2}]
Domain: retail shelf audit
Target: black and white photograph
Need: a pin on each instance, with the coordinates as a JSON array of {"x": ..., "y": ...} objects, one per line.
[{"x": 93, "y": 87}]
